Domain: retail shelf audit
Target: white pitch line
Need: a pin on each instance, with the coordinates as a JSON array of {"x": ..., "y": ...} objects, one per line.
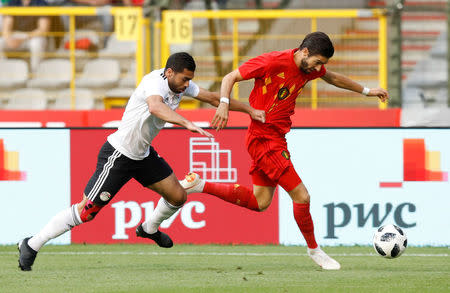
[{"x": 217, "y": 253}]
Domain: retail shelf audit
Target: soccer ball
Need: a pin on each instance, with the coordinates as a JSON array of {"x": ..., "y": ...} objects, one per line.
[{"x": 389, "y": 241}]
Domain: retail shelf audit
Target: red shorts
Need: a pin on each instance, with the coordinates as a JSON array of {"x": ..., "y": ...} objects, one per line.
[{"x": 270, "y": 160}]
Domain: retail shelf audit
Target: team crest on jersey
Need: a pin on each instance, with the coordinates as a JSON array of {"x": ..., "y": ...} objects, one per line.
[
  {"x": 285, "y": 155},
  {"x": 283, "y": 93}
]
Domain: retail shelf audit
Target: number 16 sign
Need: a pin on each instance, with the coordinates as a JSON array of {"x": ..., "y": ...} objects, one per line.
[{"x": 178, "y": 27}]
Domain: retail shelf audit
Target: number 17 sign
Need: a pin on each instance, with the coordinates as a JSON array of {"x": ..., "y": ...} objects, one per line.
[
  {"x": 178, "y": 27},
  {"x": 126, "y": 24}
]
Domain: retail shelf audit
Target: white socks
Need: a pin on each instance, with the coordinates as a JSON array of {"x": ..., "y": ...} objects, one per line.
[
  {"x": 163, "y": 211},
  {"x": 68, "y": 218},
  {"x": 59, "y": 224}
]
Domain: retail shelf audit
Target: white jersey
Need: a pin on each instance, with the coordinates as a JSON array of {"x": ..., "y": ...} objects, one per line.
[{"x": 138, "y": 127}]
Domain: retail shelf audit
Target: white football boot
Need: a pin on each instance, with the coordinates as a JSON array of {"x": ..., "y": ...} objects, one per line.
[
  {"x": 192, "y": 183},
  {"x": 322, "y": 259}
]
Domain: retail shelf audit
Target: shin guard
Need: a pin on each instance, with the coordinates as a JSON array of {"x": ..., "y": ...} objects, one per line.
[{"x": 90, "y": 210}]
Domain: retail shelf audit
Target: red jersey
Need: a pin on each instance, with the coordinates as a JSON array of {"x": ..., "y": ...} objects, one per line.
[{"x": 278, "y": 82}]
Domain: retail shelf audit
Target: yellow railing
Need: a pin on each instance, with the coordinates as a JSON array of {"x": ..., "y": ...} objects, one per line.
[
  {"x": 173, "y": 22},
  {"x": 179, "y": 27},
  {"x": 382, "y": 49},
  {"x": 139, "y": 31}
]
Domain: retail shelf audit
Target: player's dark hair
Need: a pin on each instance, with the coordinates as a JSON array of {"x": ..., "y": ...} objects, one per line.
[
  {"x": 318, "y": 43},
  {"x": 180, "y": 61}
]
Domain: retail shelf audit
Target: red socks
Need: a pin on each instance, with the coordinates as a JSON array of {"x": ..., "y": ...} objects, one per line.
[
  {"x": 304, "y": 221},
  {"x": 235, "y": 194},
  {"x": 243, "y": 196}
]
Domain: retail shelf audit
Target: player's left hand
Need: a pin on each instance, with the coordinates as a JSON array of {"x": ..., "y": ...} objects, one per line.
[
  {"x": 220, "y": 119},
  {"x": 194, "y": 128},
  {"x": 381, "y": 93},
  {"x": 258, "y": 115}
]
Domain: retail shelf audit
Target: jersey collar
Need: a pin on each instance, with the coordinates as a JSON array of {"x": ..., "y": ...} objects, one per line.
[{"x": 293, "y": 61}]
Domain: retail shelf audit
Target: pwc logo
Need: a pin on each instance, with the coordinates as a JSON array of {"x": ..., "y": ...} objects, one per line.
[
  {"x": 419, "y": 164},
  {"x": 143, "y": 211},
  {"x": 9, "y": 165}
]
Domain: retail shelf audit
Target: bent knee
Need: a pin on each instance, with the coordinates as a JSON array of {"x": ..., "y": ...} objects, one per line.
[
  {"x": 300, "y": 194},
  {"x": 306, "y": 198},
  {"x": 302, "y": 199},
  {"x": 177, "y": 198},
  {"x": 263, "y": 205}
]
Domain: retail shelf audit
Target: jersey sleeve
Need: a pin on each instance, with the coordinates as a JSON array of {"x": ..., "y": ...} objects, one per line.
[
  {"x": 154, "y": 86},
  {"x": 255, "y": 67},
  {"x": 192, "y": 90}
]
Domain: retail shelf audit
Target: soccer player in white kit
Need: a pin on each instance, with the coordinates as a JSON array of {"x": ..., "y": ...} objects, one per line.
[{"x": 128, "y": 153}]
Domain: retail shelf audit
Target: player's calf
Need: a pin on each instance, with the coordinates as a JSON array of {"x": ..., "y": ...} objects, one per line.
[{"x": 232, "y": 193}]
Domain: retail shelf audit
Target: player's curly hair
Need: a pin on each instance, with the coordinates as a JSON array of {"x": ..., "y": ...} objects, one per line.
[
  {"x": 180, "y": 61},
  {"x": 318, "y": 43}
]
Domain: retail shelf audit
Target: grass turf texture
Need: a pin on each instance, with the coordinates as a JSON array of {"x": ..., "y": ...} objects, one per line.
[{"x": 215, "y": 268}]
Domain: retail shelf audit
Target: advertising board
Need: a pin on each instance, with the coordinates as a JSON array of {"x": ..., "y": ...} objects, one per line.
[
  {"x": 360, "y": 179},
  {"x": 203, "y": 219},
  {"x": 364, "y": 117},
  {"x": 34, "y": 181}
]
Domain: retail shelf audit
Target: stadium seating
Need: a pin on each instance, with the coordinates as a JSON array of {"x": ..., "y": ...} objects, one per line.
[
  {"x": 106, "y": 66},
  {"x": 129, "y": 80},
  {"x": 117, "y": 97},
  {"x": 23, "y": 99},
  {"x": 99, "y": 73},
  {"x": 92, "y": 36},
  {"x": 122, "y": 51},
  {"x": 440, "y": 48},
  {"x": 427, "y": 84},
  {"x": 116, "y": 47},
  {"x": 88, "y": 40},
  {"x": 52, "y": 74},
  {"x": 84, "y": 100},
  {"x": 13, "y": 73}
]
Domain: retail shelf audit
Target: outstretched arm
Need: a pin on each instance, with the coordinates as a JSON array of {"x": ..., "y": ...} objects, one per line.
[
  {"x": 157, "y": 108},
  {"x": 213, "y": 98},
  {"x": 221, "y": 117},
  {"x": 344, "y": 82}
]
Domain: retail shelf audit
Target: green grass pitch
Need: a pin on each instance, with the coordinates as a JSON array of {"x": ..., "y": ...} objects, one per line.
[{"x": 216, "y": 268}]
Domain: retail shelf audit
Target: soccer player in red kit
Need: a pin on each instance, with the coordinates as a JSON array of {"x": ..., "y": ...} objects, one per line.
[{"x": 279, "y": 79}]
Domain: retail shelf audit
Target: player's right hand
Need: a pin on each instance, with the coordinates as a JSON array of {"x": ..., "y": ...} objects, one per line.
[{"x": 381, "y": 93}]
